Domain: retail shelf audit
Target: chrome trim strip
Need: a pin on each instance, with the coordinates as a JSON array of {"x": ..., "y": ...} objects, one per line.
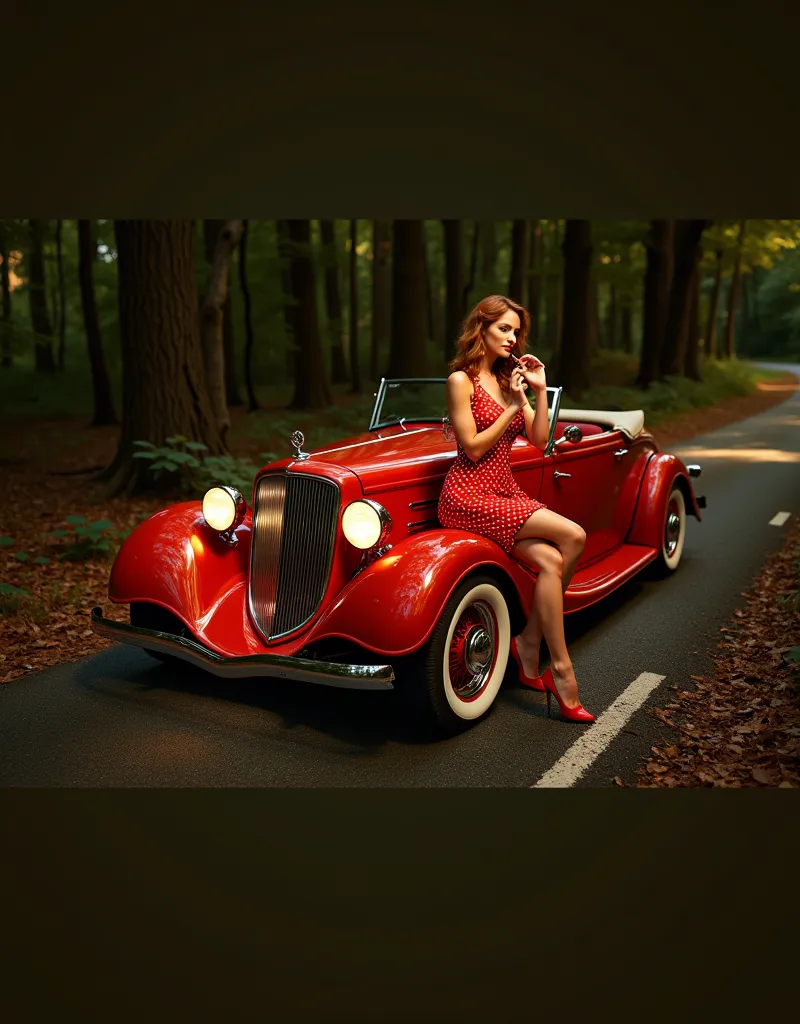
[
  {"x": 329, "y": 673},
  {"x": 414, "y": 506},
  {"x": 553, "y": 422},
  {"x": 423, "y": 522},
  {"x": 265, "y": 550}
]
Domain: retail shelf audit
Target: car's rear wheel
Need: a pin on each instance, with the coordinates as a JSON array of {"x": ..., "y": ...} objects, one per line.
[
  {"x": 454, "y": 678},
  {"x": 672, "y": 534}
]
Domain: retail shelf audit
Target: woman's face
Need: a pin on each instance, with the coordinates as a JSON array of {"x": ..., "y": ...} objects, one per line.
[{"x": 500, "y": 337}]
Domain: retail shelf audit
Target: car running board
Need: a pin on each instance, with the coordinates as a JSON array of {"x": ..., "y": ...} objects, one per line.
[{"x": 596, "y": 581}]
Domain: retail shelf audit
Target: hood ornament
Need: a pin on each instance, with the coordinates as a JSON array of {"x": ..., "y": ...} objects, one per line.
[{"x": 297, "y": 440}]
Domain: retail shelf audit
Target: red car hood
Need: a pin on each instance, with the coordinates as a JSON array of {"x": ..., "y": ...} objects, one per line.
[{"x": 393, "y": 456}]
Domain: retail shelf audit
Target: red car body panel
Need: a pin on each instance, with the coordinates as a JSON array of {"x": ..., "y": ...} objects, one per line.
[{"x": 617, "y": 491}]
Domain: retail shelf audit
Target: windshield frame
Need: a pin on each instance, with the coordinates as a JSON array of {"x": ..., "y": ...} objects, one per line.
[{"x": 387, "y": 382}]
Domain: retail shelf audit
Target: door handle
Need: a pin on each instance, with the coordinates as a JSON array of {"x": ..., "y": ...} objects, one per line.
[
  {"x": 557, "y": 473},
  {"x": 620, "y": 452}
]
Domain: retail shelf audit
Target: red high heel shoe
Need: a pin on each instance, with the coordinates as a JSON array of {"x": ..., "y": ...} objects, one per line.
[
  {"x": 532, "y": 682},
  {"x": 576, "y": 714}
]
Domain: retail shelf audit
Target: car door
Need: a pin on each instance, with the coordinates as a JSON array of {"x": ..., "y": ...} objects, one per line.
[
  {"x": 583, "y": 481},
  {"x": 527, "y": 465}
]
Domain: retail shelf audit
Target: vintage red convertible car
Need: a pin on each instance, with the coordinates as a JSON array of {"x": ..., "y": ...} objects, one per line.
[{"x": 340, "y": 573}]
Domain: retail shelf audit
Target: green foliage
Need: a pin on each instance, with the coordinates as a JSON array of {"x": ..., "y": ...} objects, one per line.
[
  {"x": 7, "y": 590},
  {"x": 87, "y": 539},
  {"x": 191, "y": 471},
  {"x": 6, "y": 542}
]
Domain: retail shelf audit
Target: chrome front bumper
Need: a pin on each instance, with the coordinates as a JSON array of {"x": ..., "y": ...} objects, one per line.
[{"x": 329, "y": 673}]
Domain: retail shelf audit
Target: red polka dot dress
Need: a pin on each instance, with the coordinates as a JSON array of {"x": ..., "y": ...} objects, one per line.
[{"x": 483, "y": 496}]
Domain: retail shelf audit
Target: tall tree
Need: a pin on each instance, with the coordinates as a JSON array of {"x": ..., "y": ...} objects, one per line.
[
  {"x": 355, "y": 366},
  {"x": 688, "y": 234},
  {"x": 6, "y": 358},
  {"x": 733, "y": 296},
  {"x": 488, "y": 252},
  {"x": 519, "y": 260},
  {"x": 692, "y": 327},
  {"x": 534, "y": 280},
  {"x": 102, "y": 402},
  {"x": 311, "y": 379},
  {"x": 289, "y": 304},
  {"x": 333, "y": 301},
  {"x": 62, "y": 298},
  {"x": 252, "y": 401},
  {"x": 43, "y": 331},
  {"x": 553, "y": 289},
  {"x": 657, "y": 283},
  {"x": 211, "y": 231},
  {"x": 611, "y": 317},
  {"x": 381, "y": 293},
  {"x": 454, "y": 283},
  {"x": 593, "y": 338},
  {"x": 211, "y": 321},
  {"x": 408, "y": 352},
  {"x": 432, "y": 304},
  {"x": 163, "y": 382},
  {"x": 469, "y": 284},
  {"x": 572, "y": 371},
  {"x": 626, "y": 326},
  {"x": 710, "y": 339}
]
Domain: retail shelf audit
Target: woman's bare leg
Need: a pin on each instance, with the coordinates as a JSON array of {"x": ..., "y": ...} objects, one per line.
[{"x": 547, "y": 614}]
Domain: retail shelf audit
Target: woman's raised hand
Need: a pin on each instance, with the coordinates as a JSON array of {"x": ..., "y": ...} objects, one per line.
[
  {"x": 533, "y": 371},
  {"x": 518, "y": 387}
]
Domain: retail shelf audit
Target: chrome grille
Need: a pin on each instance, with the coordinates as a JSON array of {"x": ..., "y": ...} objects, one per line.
[{"x": 294, "y": 529}]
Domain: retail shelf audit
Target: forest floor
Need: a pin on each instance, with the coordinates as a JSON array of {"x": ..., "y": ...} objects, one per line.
[{"x": 747, "y": 734}]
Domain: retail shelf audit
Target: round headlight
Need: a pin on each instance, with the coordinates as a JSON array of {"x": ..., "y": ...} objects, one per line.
[
  {"x": 223, "y": 508},
  {"x": 365, "y": 523}
]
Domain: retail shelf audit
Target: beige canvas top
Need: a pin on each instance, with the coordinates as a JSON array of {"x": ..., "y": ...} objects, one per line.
[{"x": 631, "y": 423}]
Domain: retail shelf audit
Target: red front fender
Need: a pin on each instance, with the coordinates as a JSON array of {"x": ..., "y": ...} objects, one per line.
[
  {"x": 651, "y": 507},
  {"x": 392, "y": 606}
]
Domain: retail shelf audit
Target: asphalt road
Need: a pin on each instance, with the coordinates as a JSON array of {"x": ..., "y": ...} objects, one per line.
[{"x": 122, "y": 719}]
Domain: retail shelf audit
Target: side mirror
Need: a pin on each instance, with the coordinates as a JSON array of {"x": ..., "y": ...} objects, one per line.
[{"x": 573, "y": 433}]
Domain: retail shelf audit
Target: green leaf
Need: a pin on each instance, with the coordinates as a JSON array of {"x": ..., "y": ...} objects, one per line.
[
  {"x": 146, "y": 455},
  {"x": 8, "y": 591},
  {"x": 101, "y": 524},
  {"x": 182, "y": 458},
  {"x": 75, "y": 520},
  {"x": 6, "y": 542},
  {"x": 793, "y": 655},
  {"x": 176, "y": 439},
  {"x": 163, "y": 464},
  {"x": 144, "y": 444},
  {"x": 42, "y": 560},
  {"x": 196, "y": 446},
  {"x": 22, "y": 556}
]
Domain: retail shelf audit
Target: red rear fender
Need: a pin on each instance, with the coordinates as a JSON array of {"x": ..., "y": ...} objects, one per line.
[{"x": 663, "y": 470}]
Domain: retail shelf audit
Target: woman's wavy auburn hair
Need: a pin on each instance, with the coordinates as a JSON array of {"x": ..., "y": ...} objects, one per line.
[{"x": 470, "y": 347}]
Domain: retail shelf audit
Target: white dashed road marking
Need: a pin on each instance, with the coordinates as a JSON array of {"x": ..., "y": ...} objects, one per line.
[
  {"x": 595, "y": 738},
  {"x": 780, "y": 518}
]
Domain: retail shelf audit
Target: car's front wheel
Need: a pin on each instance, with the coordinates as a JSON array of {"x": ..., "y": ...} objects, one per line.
[
  {"x": 672, "y": 535},
  {"x": 454, "y": 678}
]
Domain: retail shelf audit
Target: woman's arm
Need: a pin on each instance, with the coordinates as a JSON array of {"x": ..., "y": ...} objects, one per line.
[
  {"x": 537, "y": 424},
  {"x": 474, "y": 442}
]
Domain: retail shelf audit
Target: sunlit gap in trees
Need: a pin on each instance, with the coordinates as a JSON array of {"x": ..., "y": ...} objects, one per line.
[{"x": 740, "y": 454}]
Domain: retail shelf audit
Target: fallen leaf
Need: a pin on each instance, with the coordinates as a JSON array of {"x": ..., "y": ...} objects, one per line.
[{"x": 763, "y": 777}]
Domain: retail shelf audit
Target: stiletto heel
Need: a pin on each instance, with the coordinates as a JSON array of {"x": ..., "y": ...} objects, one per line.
[
  {"x": 532, "y": 682},
  {"x": 576, "y": 714}
]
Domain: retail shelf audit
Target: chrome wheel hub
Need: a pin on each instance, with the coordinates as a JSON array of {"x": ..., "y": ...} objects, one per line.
[
  {"x": 473, "y": 650},
  {"x": 672, "y": 530}
]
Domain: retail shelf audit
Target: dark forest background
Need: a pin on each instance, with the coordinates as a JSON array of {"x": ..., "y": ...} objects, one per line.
[{"x": 165, "y": 327}]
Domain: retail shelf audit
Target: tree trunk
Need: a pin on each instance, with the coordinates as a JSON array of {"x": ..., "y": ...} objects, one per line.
[
  {"x": 103, "y": 403},
  {"x": 572, "y": 363},
  {"x": 211, "y": 232},
  {"x": 534, "y": 280},
  {"x": 333, "y": 301},
  {"x": 6, "y": 358},
  {"x": 43, "y": 341},
  {"x": 713, "y": 310},
  {"x": 381, "y": 293},
  {"x": 488, "y": 252},
  {"x": 430, "y": 312},
  {"x": 519, "y": 260},
  {"x": 593, "y": 325},
  {"x": 473, "y": 268},
  {"x": 355, "y": 366},
  {"x": 289, "y": 305},
  {"x": 163, "y": 383},
  {"x": 211, "y": 320},
  {"x": 252, "y": 401},
  {"x": 311, "y": 380},
  {"x": 62, "y": 301},
  {"x": 692, "y": 329},
  {"x": 454, "y": 284},
  {"x": 626, "y": 327},
  {"x": 553, "y": 285},
  {"x": 611, "y": 318},
  {"x": 408, "y": 353},
  {"x": 657, "y": 284},
  {"x": 688, "y": 234},
  {"x": 733, "y": 297}
]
